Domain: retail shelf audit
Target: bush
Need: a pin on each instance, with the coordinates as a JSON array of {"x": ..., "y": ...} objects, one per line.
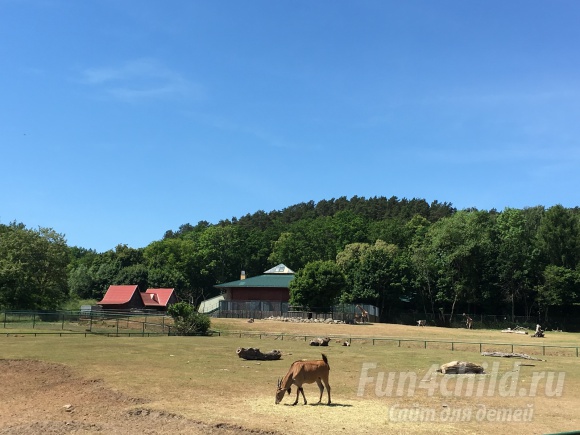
[{"x": 187, "y": 321}]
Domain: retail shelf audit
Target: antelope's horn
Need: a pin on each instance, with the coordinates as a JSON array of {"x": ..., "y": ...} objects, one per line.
[{"x": 279, "y": 382}]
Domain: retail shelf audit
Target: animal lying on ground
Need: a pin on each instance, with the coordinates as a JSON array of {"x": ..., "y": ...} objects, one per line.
[
  {"x": 305, "y": 372},
  {"x": 320, "y": 341}
]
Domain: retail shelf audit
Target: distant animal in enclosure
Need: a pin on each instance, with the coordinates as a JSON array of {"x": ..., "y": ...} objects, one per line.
[
  {"x": 250, "y": 320},
  {"x": 364, "y": 314},
  {"x": 320, "y": 341},
  {"x": 421, "y": 322},
  {"x": 468, "y": 321},
  {"x": 305, "y": 372},
  {"x": 539, "y": 332}
]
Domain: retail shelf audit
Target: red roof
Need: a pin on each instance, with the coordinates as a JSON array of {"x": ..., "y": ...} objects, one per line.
[
  {"x": 118, "y": 294},
  {"x": 157, "y": 297}
]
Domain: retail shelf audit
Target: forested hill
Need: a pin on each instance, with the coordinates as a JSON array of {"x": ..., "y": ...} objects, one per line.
[
  {"x": 372, "y": 209},
  {"x": 397, "y": 254}
]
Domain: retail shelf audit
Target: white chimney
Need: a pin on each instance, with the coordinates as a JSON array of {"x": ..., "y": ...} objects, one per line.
[{"x": 243, "y": 274}]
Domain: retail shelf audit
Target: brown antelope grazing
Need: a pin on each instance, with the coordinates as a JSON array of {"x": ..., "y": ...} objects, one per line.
[
  {"x": 468, "y": 321},
  {"x": 305, "y": 372}
]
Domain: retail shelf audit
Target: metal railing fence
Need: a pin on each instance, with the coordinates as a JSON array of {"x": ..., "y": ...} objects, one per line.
[
  {"x": 89, "y": 321},
  {"x": 419, "y": 343}
]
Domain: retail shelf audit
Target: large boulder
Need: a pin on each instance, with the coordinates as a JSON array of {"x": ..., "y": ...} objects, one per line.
[
  {"x": 251, "y": 353},
  {"x": 460, "y": 368}
]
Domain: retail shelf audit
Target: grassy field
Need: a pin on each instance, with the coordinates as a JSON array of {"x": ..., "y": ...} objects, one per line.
[{"x": 203, "y": 379}]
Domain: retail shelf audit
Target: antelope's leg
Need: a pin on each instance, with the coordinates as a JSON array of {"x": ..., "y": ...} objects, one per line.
[
  {"x": 297, "y": 395},
  {"x": 327, "y": 390},
  {"x": 303, "y": 396},
  {"x": 321, "y": 388}
]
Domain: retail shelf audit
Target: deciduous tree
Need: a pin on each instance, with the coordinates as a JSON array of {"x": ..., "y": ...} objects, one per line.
[
  {"x": 33, "y": 268},
  {"x": 317, "y": 286}
]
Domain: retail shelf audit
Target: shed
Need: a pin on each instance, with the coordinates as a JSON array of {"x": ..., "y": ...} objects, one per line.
[
  {"x": 127, "y": 297},
  {"x": 158, "y": 298},
  {"x": 122, "y": 297}
]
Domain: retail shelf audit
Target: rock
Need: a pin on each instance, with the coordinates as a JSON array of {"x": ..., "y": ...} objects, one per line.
[
  {"x": 460, "y": 368},
  {"x": 252, "y": 353}
]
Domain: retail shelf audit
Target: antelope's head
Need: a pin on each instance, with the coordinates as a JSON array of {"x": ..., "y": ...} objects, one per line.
[{"x": 280, "y": 392}]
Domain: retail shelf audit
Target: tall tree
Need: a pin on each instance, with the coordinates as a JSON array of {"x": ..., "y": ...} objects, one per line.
[
  {"x": 348, "y": 260},
  {"x": 317, "y": 286},
  {"x": 422, "y": 264},
  {"x": 80, "y": 282},
  {"x": 517, "y": 259},
  {"x": 559, "y": 237},
  {"x": 33, "y": 268},
  {"x": 559, "y": 288},
  {"x": 377, "y": 274},
  {"x": 461, "y": 247}
]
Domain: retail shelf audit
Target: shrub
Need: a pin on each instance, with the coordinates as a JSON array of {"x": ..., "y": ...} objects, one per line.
[{"x": 187, "y": 321}]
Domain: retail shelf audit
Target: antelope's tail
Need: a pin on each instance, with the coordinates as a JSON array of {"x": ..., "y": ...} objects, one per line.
[{"x": 324, "y": 359}]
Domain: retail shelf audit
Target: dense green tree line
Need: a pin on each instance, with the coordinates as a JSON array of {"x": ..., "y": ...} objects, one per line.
[{"x": 394, "y": 253}]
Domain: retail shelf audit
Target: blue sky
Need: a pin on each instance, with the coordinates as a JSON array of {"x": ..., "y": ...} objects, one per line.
[{"x": 122, "y": 119}]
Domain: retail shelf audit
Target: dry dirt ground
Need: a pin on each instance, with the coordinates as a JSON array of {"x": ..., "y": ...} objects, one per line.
[{"x": 46, "y": 398}]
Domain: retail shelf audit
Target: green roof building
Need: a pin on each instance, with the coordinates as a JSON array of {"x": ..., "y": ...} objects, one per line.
[{"x": 271, "y": 286}]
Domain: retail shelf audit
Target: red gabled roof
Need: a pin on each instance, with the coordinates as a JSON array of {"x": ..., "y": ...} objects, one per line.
[
  {"x": 157, "y": 297},
  {"x": 118, "y": 294}
]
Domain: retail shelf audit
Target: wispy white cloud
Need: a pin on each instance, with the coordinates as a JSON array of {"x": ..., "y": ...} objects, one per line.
[{"x": 140, "y": 79}]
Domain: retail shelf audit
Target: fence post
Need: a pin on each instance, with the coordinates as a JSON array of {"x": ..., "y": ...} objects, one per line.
[
  {"x": 62, "y": 326},
  {"x": 33, "y": 319}
]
